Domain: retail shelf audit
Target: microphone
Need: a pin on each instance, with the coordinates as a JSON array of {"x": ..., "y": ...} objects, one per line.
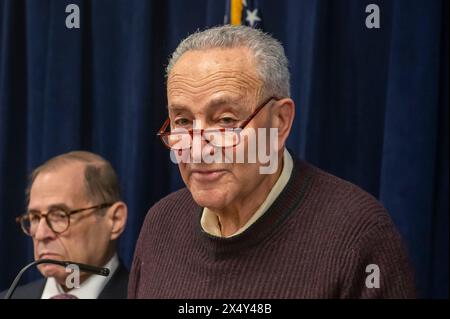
[{"x": 86, "y": 268}]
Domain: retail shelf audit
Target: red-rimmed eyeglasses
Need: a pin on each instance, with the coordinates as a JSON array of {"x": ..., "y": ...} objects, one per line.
[{"x": 180, "y": 138}]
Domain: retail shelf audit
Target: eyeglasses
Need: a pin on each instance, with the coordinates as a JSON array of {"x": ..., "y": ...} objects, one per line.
[
  {"x": 58, "y": 219},
  {"x": 180, "y": 139}
]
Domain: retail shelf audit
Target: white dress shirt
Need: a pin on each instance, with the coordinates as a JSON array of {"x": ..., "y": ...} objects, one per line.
[{"x": 89, "y": 289}]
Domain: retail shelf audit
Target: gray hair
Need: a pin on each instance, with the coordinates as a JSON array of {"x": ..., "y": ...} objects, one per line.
[{"x": 271, "y": 62}]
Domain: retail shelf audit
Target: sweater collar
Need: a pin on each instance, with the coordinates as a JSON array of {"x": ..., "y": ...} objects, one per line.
[{"x": 268, "y": 224}]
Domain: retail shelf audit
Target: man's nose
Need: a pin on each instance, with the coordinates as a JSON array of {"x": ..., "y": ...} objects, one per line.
[
  {"x": 43, "y": 231},
  {"x": 200, "y": 148}
]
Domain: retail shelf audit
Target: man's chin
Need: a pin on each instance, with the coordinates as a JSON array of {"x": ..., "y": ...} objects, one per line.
[
  {"x": 49, "y": 270},
  {"x": 212, "y": 199}
]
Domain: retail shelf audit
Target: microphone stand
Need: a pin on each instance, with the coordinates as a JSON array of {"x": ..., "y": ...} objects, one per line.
[{"x": 87, "y": 268}]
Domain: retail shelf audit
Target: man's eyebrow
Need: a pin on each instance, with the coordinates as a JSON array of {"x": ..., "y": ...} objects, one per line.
[
  {"x": 177, "y": 107},
  {"x": 58, "y": 205},
  {"x": 53, "y": 206},
  {"x": 215, "y": 102},
  {"x": 223, "y": 100}
]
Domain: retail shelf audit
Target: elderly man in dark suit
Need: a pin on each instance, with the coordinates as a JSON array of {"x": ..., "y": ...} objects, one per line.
[{"x": 75, "y": 213}]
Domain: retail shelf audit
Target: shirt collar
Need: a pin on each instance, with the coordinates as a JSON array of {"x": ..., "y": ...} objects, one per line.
[{"x": 210, "y": 222}]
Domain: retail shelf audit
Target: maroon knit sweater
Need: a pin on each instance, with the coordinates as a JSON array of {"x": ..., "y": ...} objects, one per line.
[{"x": 315, "y": 241}]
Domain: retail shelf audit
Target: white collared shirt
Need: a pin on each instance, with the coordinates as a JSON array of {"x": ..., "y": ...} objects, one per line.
[
  {"x": 210, "y": 221},
  {"x": 89, "y": 289}
]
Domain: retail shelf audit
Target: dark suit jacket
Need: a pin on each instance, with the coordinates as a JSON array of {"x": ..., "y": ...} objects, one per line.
[{"x": 116, "y": 288}]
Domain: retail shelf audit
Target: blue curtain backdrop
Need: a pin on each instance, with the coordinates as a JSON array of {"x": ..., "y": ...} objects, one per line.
[{"x": 372, "y": 104}]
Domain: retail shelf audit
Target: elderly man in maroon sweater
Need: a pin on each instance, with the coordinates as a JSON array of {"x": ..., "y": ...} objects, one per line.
[{"x": 249, "y": 225}]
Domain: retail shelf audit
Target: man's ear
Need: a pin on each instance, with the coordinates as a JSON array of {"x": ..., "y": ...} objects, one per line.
[
  {"x": 283, "y": 113},
  {"x": 117, "y": 215}
]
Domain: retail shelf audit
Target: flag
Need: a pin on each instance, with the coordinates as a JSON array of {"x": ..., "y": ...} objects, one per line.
[{"x": 243, "y": 12}]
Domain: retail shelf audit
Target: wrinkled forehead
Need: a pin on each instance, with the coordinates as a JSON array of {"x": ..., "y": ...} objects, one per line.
[{"x": 207, "y": 73}]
